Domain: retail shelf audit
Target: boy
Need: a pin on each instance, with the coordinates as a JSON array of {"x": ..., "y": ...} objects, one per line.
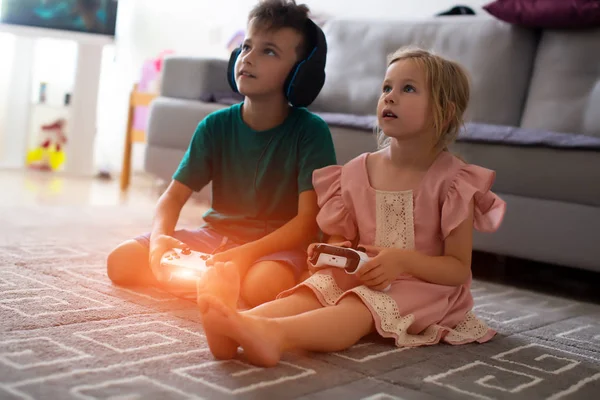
[{"x": 260, "y": 156}]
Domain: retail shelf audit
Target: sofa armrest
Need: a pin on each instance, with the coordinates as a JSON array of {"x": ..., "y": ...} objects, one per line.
[{"x": 194, "y": 78}]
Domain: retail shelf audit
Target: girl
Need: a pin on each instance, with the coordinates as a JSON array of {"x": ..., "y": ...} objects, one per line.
[{"x": 412, "y": 204}]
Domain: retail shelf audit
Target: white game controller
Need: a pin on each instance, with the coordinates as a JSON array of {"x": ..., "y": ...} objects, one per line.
[
  {"x": 186, "y": 264},
  {"x": 350, "y": 260}
]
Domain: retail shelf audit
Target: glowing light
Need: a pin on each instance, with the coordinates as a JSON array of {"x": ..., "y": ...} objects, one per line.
[{"x": 184, "y": 274}]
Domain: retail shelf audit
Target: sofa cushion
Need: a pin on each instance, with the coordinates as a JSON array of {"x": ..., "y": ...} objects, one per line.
[
  {"x": 565, "y": 86},
  {"x": 558, "y": 14},
  {"x": 510, "y": 135},
  {"x": 498, "y": 56},
  {"x": 194, "y": 78},
  {"x": 539, "y": 172},
  {"x": 547, "y": 231},
  {"x": 535, "y": 171},
  {"x": 591, "y": 120},
  {"x": 349, "y": 143},
  {"x": 543, "y": 165},
  {"x": 488, "y": 133},
  {"x": 172, "y": 122}
]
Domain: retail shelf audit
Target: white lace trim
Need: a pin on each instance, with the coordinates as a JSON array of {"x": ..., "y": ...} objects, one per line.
[
  {"x": 327, "y": 286},
  {"x": 395, "y": 222},
  {"x": 391, "y": 321},
  {"x": 469, "y": 329}
]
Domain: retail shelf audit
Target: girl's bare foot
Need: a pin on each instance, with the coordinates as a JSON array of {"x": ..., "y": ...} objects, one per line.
[
  {"x": 261, "y": 338},
  {"x": 223, "y": 282}
]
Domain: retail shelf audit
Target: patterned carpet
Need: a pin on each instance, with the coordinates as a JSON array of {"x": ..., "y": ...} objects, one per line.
[{"x": 68, "y": 333}]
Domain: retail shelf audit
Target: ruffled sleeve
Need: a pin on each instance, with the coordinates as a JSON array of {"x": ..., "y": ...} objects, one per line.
[
  {"x": 334, "y": 217},
  {"x": 472, "y": 183}
]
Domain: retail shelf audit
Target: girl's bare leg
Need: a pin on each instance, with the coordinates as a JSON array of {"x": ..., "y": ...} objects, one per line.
[
  {"x": 301, "y": 301},
  {"x": 223, "y": 282},
  {"x": 264, "y": 340}
]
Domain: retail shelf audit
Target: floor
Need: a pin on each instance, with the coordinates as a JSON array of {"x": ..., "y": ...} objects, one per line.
[
  {"x": 68, "y": 332},
  {"x": 31, "y": 187}
]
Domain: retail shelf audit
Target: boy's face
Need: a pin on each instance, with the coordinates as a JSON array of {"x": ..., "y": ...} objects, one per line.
[
  {"x": 403, "y": 110},
  {"x": 266, "y": 59}
]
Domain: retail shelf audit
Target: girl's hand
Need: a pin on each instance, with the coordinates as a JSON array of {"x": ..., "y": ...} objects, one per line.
[
  {"x": 383, "y": 268},
  {"x": 311, "y": 269}
]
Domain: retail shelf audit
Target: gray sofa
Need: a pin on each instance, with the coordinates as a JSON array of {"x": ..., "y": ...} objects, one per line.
[{"x": 534, "y": 118}]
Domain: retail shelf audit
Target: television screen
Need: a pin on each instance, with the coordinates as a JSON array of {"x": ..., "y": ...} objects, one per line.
[{"x": 89, "y": 16}]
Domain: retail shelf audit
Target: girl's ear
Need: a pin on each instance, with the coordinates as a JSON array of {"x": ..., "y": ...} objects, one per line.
[{"x": 450, "y": 113}]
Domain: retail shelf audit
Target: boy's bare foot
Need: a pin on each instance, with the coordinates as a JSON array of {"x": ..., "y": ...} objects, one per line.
[
  {"x": 223, "y": 282},
  {"x": 261, "y": 338}
]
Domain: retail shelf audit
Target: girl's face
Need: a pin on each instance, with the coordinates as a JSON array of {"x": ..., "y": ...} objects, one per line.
[{"x": 404, "y": 109}]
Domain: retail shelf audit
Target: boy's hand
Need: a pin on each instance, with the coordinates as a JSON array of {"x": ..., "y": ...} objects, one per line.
[
  {"x": 242, "y": 256},
  {"x": 311, "y": 269},
  {"x": 159, "y": 245},
  {"x": 383, "y": 268}
]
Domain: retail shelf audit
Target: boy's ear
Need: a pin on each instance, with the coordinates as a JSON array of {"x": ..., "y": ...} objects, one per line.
[{"x": 306, "y": 79}]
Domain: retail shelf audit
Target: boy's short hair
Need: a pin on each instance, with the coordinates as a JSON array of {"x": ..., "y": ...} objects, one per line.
[{"x": 278, "y": 14}]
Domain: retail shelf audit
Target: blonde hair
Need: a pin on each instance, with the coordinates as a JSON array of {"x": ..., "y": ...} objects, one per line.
[{"x": 449, "y": 87}]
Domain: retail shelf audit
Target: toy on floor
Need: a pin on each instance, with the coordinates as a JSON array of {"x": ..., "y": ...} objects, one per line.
[{"x": 49, "y": 155}]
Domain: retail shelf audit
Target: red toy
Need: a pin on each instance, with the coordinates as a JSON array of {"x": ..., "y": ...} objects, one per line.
[{"x": 49, "y": 155}]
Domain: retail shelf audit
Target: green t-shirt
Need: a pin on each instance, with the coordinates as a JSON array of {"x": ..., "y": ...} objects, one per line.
[{"x": 256, "y": 176}]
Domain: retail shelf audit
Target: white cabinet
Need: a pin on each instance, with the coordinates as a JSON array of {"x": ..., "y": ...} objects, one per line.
[{"x": 21, "y": 117}]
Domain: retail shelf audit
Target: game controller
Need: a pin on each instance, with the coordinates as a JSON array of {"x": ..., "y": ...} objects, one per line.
[
  {"x": 348, "y": 259},
  {"x": 184, "y": 263}
]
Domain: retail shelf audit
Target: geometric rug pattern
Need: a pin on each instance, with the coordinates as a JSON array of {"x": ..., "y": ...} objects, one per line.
[{"x": 68, "y": 333}]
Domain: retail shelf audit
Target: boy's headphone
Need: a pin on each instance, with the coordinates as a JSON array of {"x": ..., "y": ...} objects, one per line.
[{"x": 307, "y": 77}]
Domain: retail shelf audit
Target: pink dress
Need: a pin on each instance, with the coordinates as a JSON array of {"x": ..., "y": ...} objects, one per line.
[{"x": 413, "y": 312}]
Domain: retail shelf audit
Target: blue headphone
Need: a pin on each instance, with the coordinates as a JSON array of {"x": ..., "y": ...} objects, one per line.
[{"x": 307, "y": 77}]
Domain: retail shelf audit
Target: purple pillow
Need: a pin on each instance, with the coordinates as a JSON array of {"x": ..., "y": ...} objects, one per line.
[{"x": 547, "y": 14}]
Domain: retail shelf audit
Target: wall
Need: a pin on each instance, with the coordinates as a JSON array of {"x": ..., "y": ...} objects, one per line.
[
  {"x": 389, "y": 9},
  {"x": 146, "y": 27},
  {"x": 7, "y": 43}
]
